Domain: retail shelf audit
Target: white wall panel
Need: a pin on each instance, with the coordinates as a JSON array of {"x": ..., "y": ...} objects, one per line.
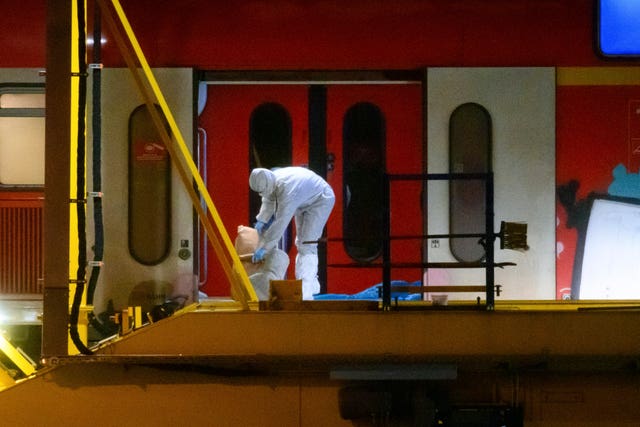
[{"x": 521, "y": 102}]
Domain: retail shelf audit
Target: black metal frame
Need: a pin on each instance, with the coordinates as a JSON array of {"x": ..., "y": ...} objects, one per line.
[{"x": 488, "y": 236}]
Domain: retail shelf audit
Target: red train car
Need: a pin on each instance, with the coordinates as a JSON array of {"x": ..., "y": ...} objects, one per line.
[
  {"x": 528, "y": 91},
  {"x": 408, "y": 68}
]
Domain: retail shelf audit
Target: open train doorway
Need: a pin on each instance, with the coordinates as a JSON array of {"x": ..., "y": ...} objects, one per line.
[{"x": 349, "y": 132}]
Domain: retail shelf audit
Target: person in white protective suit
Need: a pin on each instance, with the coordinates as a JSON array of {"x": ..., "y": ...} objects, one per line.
[{"x": 288, "y": 192}]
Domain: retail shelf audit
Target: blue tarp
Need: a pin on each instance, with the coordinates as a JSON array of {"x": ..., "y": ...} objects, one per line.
[{"x": 374, "y": 293}]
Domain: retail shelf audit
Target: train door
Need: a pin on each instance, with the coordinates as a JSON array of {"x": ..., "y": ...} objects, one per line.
[
  {"x": 148, "y": 217},
  {"x": 372, "y": 129},
  {"x": 247, "y": 126},
  {"x": 367, "y": 129}
]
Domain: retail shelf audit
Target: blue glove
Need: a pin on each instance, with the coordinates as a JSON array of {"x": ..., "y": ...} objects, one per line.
[
  {"x": 262, "y": 226},
  {"x": 258, "y": 255}
]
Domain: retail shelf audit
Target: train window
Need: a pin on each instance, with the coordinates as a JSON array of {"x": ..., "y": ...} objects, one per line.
[
  {"x": 269, "y": 146},
  {"x": 270, "y": 136},
  {"x": 149, "y": 190},
  {"x": 364, "y": 165},
  {"x": 469, "y": 152},
  {"x": 22, "y": 136}
]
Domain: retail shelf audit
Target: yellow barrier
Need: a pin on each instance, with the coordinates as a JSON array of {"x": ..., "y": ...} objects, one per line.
[{"x": 16, "y": 356}]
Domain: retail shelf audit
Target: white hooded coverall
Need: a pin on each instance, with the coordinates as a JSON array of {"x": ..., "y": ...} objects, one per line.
[{"x": 294, "y": 192}]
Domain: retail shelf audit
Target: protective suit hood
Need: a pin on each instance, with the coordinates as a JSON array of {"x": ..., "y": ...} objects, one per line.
[{"x": 262, "y": 181}]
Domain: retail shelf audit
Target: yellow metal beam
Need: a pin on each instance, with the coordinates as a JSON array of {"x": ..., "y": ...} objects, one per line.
[
  {"x": 579, "y": 331},
  {"x": 74, "y": 162},
  {"x": 16, "y": 356}
]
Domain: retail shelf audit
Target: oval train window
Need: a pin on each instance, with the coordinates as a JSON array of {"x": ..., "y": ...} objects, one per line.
[
  {"x": 270, "y": 136},
  {"x": 469, "y": 152},
  {"x": 149, "y": 190},
  {"x": 269, "y": 147},
  {"x": 364, "y": 165}
]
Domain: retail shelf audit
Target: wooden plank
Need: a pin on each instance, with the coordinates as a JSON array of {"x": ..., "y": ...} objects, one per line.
[{"x": 431, "y": 289}]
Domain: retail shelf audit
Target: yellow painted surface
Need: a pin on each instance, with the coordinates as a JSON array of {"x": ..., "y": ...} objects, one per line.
[
  {"x": 566, "y": 332},
  {"x": 5, "y": 380},
  {"x": 117, "y": 395},
  {"x": 186, "y": 391},
  {"x": 597, "y": 76}
]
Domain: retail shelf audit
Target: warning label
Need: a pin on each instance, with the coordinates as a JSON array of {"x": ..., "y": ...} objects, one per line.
[{"x": 149, "y": 151}]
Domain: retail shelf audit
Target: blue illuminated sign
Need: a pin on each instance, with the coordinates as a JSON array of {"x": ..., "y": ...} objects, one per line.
[{"x": 618, "y": 27}]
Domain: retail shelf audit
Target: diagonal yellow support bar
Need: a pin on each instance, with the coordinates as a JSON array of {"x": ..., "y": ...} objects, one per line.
[
  {"x": 241, "y": 289},
  {"x": 15, "y": 356}
]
